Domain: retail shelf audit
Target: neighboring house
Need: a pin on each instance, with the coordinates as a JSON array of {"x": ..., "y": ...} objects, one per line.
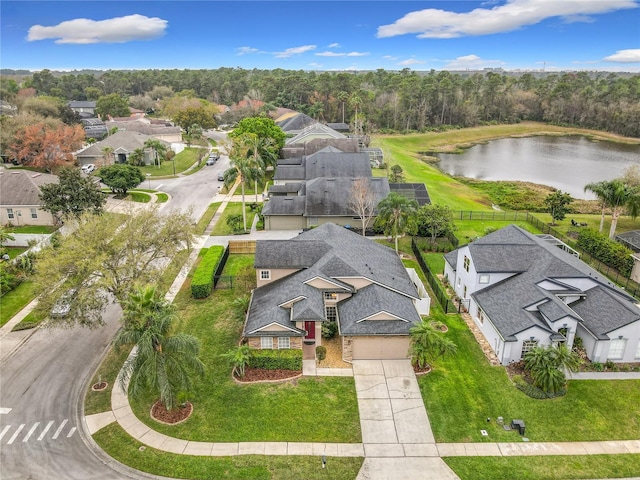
[
  {"x": 160, "y": 130},
  {"x": 524, "y": 290},
  {"x": 94, "y": 128},
  {"x": 122, "y": 145},
  {"x": 292, "y": 123},
  {"x": 313, "y": 131},
  {"x": 20, "y": 198},
  {"x": 329, "y": 274},
  {"x": 83, "y": 106}
]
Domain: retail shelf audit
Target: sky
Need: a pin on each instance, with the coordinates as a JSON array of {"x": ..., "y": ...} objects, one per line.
[{"x": 330, "y": 35}]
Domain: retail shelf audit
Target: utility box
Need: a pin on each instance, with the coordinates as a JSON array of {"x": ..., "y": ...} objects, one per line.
[{"x": 519, "y": 425}]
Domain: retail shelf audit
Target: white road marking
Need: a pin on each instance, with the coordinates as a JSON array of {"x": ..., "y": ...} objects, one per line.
[
  {"x": 4, "y": 430},
  {"x": 71, "y": 432},
  {"x": 44, "y": 432},
  {"x": 158, "y": 187},
  {"x": 4, "y": 410},
  {"x": 16, "y": 433},
  {"x": 30, "y": 432},
  {"x": 55, "y": 435}
]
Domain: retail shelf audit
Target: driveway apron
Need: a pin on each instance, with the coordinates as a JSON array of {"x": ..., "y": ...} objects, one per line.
[{"x": 397, "y": 437}]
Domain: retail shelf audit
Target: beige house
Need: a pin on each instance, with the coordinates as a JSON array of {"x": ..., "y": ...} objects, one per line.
[
  {"x": 121, "y": 145},
  {"x": 330, "y": 274},
  {"x": 20, "y": 197}
]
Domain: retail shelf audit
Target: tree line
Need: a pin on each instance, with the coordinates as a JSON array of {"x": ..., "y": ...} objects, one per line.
[{"x": 374, "y": 101}]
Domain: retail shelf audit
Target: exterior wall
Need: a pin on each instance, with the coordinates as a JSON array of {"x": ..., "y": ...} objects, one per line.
[
  {"x": 22, "y": 216},
  {"x": 353, "y": 222},
  {"x": 635, "y": 271},
  {"x": 513, "y": 350},
  {"x": 355, "y": 282},
  {"x": 380, "y": 347},
  {"x": 488, "y": 330},
  {"x": 347, "y": 349},
  {"x": 276, "y": 273},
  {"x": 255, "y": 343},
  {"x": 598, "y": 350},
  {"x": 284, "y": 222},
  {"x": 422, "y": 305}
]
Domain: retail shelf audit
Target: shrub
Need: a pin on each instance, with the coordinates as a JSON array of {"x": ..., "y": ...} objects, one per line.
[
  {"x": 202, "y": 281},
  {"x": 534, "y": 392},
  {"x": 321, "y": 352},
  {"x": 329, "y": 329},
  {"x": 236, "y": 222},
  {"x": 276, "y": 359},
  {"x": 607, "y": 251}
]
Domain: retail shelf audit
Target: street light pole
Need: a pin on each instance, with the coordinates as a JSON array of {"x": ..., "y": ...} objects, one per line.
[{"x": 149, "y": 178}]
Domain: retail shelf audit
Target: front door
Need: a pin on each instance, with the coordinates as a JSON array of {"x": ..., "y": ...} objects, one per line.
[{"x": 310, "y": 327}]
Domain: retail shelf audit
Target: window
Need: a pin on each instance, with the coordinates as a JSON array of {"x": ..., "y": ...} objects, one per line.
[
  {"x": 527, "y": 346},
  {"x": 331, "y": 313},
  {"x": 266, "y": 343},
  {"x": 464, "y": 294},
  {"x": 10, "y": 213},
  {"x": 330, "y": 296},
  {"x": 484, "y": 278},
  {"x": 313, "y": 221},
  {"x": 34, "y": 213},
  {"x": 480, "y": 317},
  {"x": 466, "y": 263},
  {"x": 265, "y": 274},
  {"x": 638, "y": 350},
  {"x": 616, "y": 348},
  {"x": 284, "y": 343}
]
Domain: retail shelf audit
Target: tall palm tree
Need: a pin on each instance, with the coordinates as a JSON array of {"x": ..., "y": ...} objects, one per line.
[
  {"x": 428, "y": 344},
  {"x": 622, "y": 196},
  {"x": 396, "y": 215},
  {"x": 158, "y": 149},
  {"x": 107, "y": 153},
  {"x": 601, "y": 191},
  {"x": 258, "y": 160},
  {"x": 164, "y": 362},
  {"x": 241, "y": 168}
]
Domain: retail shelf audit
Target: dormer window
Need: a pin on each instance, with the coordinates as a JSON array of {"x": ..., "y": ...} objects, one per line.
[
  {"x": 265, "y": 274},
  {"x": 330, "y": 296},
  {"x": 466, "y": 263}
]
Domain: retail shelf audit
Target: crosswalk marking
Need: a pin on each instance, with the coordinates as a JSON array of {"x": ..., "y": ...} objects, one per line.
[
  {"x": 71, "y": 432},
  {"x": 4, "y": 410},
  {"x": 44, "y": 432},
  {"x": 55, "y": 435},
  {"x": 15, "y": 434},
  {"x": 4, "y": 430},
  {"x": 30, "y": 432}
]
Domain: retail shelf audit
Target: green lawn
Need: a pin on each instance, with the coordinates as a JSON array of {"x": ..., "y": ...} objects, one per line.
[
  {"x": 126, "y": 450},
  {"x": 13, "y": 252},
  {"x": 39, "y": 229},
  {"x": 162, "y": 197},
  {"x": 15, "y": 300},
  {"x": 545, "y": 468},
  {"x": 467, "y": 387},
  {"x": 182, "y": 160},
  {"x": 206, "y": 217},
  {"x": 140, "y": 197},
  {"x": 232, "y": 208}
]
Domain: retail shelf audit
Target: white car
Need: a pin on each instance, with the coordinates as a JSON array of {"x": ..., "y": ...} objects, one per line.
[
  {"x": 63, "y": 306},
  {"x": 88, "y": 168}
]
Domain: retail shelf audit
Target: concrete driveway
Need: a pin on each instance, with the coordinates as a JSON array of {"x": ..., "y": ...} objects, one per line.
[{"x": 397, "y": 437}]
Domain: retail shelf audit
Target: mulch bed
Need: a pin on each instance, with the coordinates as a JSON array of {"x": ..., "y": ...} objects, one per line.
[
  {"x": 421, "y": 371},
  {"x": 177, "y": 415},
  {"x": 262, "y": 374}
]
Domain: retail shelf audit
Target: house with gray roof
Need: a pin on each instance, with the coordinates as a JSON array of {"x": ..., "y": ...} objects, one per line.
[
  {"x": 122, "y": 144},
  {"x": 523, "y": 290},
  {"x": 330, "y": 274},
  {"x": 20, "y": 200}
]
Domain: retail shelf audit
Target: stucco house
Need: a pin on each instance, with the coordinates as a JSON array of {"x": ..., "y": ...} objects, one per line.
[
  {"x": 330, "y": 274},
  {"x": 122, "y": 145},
  {"x": 20, "y": 198},
  {"x": 524, "y": 290}
]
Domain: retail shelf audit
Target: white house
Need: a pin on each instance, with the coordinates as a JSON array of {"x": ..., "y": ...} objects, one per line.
[{"x": 522, "y": 290}]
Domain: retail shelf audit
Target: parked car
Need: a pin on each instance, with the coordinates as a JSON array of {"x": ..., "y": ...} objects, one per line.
[
  {"x": 215, "y": 155},
  {"x": 210, "y": 161},
  {"x": 221, "y": 177},
  {"x": 88, "y": 168},
  {"x": 63, "y": 306}
]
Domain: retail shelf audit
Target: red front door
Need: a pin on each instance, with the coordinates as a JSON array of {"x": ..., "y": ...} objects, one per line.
[{"x": 310, "y": 327}]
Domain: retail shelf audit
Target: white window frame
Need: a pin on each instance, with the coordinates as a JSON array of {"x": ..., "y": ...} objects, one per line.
[
  {"x": 615, "y": 350},
  {"x": 10, "y": 214},
  {"x": 484, "y": 278},
  {"x": 266, "y": 343},
  {"x": 528, "y": 345},
  {"x": 638, "y": 350},
  {"x": 265, "y": 274},
  {"x": 284, "y": 343},
  {"x": 466, "y": 263},
  {"x": 34, "y": 213}
]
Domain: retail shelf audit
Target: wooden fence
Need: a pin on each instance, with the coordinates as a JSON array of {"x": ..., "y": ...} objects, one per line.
[{"x": 242, "y": 246}]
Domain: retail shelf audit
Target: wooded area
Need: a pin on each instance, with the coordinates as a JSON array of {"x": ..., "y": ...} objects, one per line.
[{"x": 384, "y": 101}]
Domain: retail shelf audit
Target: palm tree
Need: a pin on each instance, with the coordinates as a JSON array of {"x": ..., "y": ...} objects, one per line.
[
  {"x": 601, "y": 191},
  {"x": 255, "y": 150},
  {"x": 622, "y": 196},
  {"x": 241, "y": 168},
  {"x": 239, "y": 358},
  {"x": 396, "y": 215},
  {"x": 548, "y": 364},
  {"x": 164, "y": 362},
  {"x": 428, "y": 344},
  {"x": 158, "y": 149},
  {"x": 107, "y": 153}
]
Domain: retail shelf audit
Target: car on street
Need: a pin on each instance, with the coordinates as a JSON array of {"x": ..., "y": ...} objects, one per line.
[
  {"x": 210, "y": 161},
  {"x": 63, "y": 306},
  {"x": 88, "y": 168},
  {"x": 221, "y": 177}
]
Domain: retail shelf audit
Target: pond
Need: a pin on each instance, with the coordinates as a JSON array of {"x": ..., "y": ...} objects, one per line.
[{"x": 565, "y": 163}]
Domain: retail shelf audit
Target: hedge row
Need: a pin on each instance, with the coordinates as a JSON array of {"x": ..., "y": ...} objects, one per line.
[
  {"x": 607, "y": 251},
  {"x": 276, "y": 359},
  {"x": 202, "y": 281}
]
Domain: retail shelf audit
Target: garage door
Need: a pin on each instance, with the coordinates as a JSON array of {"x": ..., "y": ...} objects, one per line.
[
  {"x": 277, "y": 222},
  {"x": 380, "y": 348}
]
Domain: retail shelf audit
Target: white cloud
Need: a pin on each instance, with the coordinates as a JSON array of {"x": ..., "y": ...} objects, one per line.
[
  {"x": 338, "y": 54},
  {"x": 471, "y": 62},
  {"x": 625, "y": 56},
  {"x": 410, "y": 61},
  {"x": 514, "y": 14},
  {"x": 334, "y": 45},
  {"x": 112, "y": 30},
  {"x": 246, "y": 50},
  {"x": 289, "y": 52}
]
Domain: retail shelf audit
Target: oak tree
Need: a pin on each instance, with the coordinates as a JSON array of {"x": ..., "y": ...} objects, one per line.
[{"x": 40, "y": 145}]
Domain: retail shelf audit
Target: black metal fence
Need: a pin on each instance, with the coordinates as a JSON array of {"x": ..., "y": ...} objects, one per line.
[
  {"x": 438, "y": 291},
  {"x": 217, "y": 275}
]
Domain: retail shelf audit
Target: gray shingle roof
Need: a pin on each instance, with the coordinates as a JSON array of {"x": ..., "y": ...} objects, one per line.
[
  {"x": 331, "y": 196},
  {"x": 22, "y": 187},
  {"x": 604, "y": 311},
  {"x": 533, "y": 260},
  {"x": 284, "y": 206},
  {"x": 332, "y": 253},
  {"x": 127, "y": 141},
  {"x": 334, "y": 163}
]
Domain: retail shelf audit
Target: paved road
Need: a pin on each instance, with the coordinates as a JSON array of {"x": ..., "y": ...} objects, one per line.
[{"x": 42, "y": 436}]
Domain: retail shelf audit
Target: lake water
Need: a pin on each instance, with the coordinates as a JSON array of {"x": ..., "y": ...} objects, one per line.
[{"x": 565, "y": 163}]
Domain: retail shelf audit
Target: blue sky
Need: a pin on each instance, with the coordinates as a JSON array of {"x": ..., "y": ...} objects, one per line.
[{"x": 322, "y": 35}]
